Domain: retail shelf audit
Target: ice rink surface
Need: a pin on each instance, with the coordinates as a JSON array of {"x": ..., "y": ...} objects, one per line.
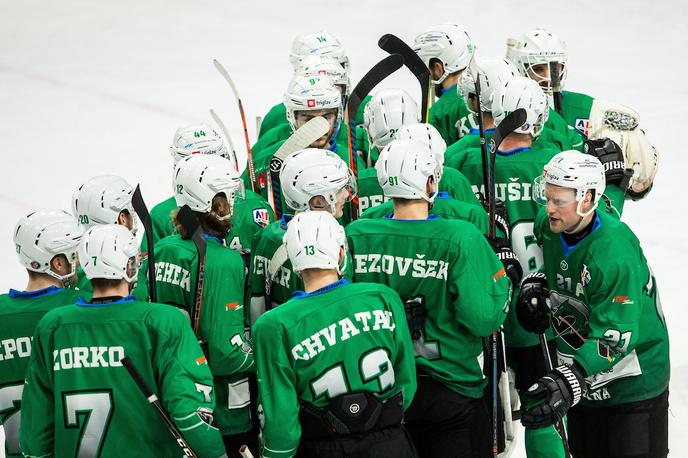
[{"x": 89, "y": 88}]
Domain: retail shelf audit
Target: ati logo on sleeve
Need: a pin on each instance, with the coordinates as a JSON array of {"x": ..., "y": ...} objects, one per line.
[
  {"x": 582, "y": 126},
  {"x": 261, "y": 217}
]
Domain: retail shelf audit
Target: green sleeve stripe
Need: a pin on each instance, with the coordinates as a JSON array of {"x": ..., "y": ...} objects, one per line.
[{"x": 193, "y": 426}]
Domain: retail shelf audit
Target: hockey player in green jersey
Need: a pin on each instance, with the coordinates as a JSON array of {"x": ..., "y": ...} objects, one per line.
[
  {"x": 447, "y": 50},
  {"x": 78, "y": 400},
  {"x": 312, "y": 179},
  {"x": 104, "y": 199},
  {"x": 306, "y": 98},
  {"x": 455, "y": 291},
  {"x": 46, "y": 243},
  {"x": 600, "y": 296},
  {"x": 339, "y": 389},
  {"x": 250, "y": 211},
  {"x": 207, "y": 184},
  {"x": 321, "y": 43}
]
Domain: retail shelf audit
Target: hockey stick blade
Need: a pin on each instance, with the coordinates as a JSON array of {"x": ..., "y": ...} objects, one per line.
[
  {"x": 301, "y": 139},
  {"x": 189, "y": 222},
  {"x": 395, "y": 45},
  {"x": 375, "y": 76},
  {"x": 142, "y": 211},
  {"x": 513, "y": 121},
  {"x": 153, "y": 400}
]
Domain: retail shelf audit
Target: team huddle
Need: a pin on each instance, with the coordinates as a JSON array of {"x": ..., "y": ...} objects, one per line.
[{"x": 386, "y": 278}]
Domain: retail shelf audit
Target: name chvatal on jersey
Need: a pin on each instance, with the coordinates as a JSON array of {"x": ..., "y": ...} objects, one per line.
[{"x": 367, "y": 321}]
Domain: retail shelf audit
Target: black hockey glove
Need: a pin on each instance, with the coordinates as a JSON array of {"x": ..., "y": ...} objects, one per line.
[
  {"x": 552, "y": 396},
  {"x": 415, "y": 316},
  {"x": 509, "y": 260},
  {"x": 501, "y": 216},
  {"x": 612, "y": 158},
  {"x": 532, "y": 307}
]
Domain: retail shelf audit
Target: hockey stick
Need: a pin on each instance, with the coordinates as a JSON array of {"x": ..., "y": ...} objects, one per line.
[
  {"x": 153, "y": 400},
  {"x": 301, "y": 139},
  {"x": 225, "y": 132},
  {"x": 192, "y": 227},
  {"x": 475, "y": 75},
  {"x": 375, "y": 75},
  {"x": 555, "y": 81},
  {"x": 142, "y": 210},
  {"x": 510, "y": 123},
  {"x": 225, "y": 75},
  {"x": 561, "y": 429},
  {"x": 245, "y": 452},
  {"x": 395, "y": 45}
]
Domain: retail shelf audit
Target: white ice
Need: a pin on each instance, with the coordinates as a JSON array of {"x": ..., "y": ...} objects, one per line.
[{"x": 91, "y": 87}]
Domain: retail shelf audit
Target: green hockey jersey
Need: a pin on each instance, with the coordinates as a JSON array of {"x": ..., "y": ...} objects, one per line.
[
  {"x": 450, "y": 116},
  {"x": 447, "y": 269},
  {"x": 575, "y": 109},
  {"x": 222, "y": 317},
  {"x": 453, "y": 183},
  {"x": 251, "y": 213},
  {"x": 79, "y": 400},
  {"x": 606, "y": 311},
  {"x": 443, "y": 206},
  {"x": 20, "y": 312},
  {"x": 515, "y": 171},
  {"x": 341, "y": 338}
]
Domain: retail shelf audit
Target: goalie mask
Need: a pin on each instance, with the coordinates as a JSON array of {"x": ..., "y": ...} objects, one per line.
[{"x": 534, "y": 53}]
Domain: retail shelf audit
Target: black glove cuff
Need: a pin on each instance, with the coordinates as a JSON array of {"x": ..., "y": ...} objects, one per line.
[
  {"x": 535, "y": 277},
  {"x": 575, "y": 381}
]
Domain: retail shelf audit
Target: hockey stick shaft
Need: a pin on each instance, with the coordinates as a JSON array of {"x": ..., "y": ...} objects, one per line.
[
  {"x": 561, "y": 429},
  {"x": 395, "y": 45},
  {"x": 153, "y": 401},
  {"x": 192, "y": 227},
  {"x": 555, "y": 81},
  {"x": 225, "y": 132},
  {"x": 141, "y": 209},
  {"x": 245, "y": 452},
  {"x": 251, "y": 168},
  {"x": 475, "y": 74}
]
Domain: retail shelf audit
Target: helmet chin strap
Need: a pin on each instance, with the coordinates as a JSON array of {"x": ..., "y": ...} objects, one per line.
[{"x": 582, "y": 215}]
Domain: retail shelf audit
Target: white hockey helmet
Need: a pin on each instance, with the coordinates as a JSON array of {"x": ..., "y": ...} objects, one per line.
[
  {"x": 314, "y": 172},
  {"x": 426, "y": 133},
  {"x": 536, "y": 47},
  {"x": 311, "y": 93},
  {"x": 578, "y": 171},
  {"x": 449, "y": 43},
  {"x": 198, "y": 179},
  {"x": 197, "y": 139},
  {"x": 404, "y": 167},
  {"x": 493, "y": 71},
  {"x": 387, "y": 111},
  {"x": 521, "y": 92},
  {"x": 322, "y": 43},
  {"x": 319, "y": 65},
  {"x": 109, "y": 251},
  {"x": 101, "y": 199},
  {"x": 44, "y": 234},
  {"x": 314, "y": 240}
]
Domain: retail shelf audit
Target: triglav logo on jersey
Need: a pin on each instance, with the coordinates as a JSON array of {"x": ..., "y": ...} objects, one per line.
[
  {"x": 261, "y": 217},
  {"x": 582, "y": 126}
]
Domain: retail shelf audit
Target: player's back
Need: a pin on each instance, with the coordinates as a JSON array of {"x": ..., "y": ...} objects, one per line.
[
  {"x": 98, "y": 409},
  {"x": 344, "y": 338},
  {"x": 20, "y": 312}
]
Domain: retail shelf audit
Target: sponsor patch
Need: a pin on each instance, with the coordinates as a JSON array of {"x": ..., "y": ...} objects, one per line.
[
  {"x": 310, "y": 103},
  {"x": 499, "y": 275},
  {"x": 201, "y": 361},
  {"x": 622, "y": 300},
  {"x": 232, "y": 306},
  {"x": 585, "y": 276},
  {"x": 582, "y": 125},
  {"x": 563, "y": 265},
  {"x": 261, "y": 217}
]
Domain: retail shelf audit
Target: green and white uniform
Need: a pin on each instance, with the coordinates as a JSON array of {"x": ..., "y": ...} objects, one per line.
[
  {"x": 575, "y": 109},
  {"x": 448, "y": 268},
  {"x": 450, "y": 116},
  {"x": 341, "y": 338},
  {"x": 20, "y": 312},
  {"x": 251, "y": 213},
  {"x": 606, "y": 312},
  {"x": 443, "y": 206},
  {"x": 370, "y": 192},
  {"x": 79, "y": 400},
  {"x": 222, "y": 318}
]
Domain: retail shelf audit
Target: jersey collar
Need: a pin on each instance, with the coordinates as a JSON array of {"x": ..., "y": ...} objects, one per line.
[
  {"x": 84, "y": 303},
  {"x": 514, "y": 151},
  {"x": 431, "y": 217},
  {"x": 475, "y": 131},
  {"x": 568, "y": 249},
  {"x": 284, "y": 221},
  {"x": 52, "y": 289},
  {"x": 209, "y": 236},
  {"x": 324, "y": 289},
  {"x": 447, "y": 89}
]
